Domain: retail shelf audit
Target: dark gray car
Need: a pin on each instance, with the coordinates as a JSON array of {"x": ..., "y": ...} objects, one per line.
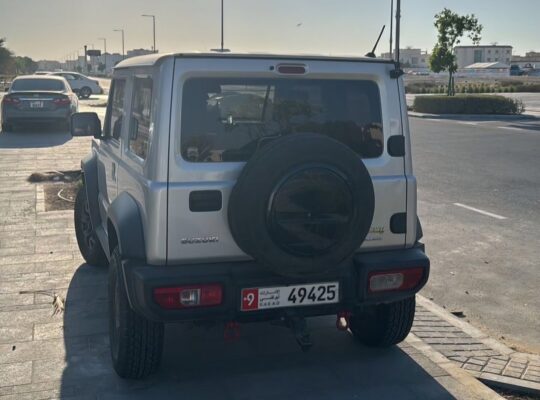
[{"x": 35, "y": 98}]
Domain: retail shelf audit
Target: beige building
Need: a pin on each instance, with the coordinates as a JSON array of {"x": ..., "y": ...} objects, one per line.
[
  {"x": 531, "y": 58},
  {"x": 412, "y": 58},
  {"x": 468, "y": 55}
]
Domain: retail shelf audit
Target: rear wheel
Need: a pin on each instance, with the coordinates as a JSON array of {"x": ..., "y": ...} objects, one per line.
[
  {"x": 85, "y": 92},
  {"x": 87, "y": 239},
  {"x": 136, "y": 343},
  {"x": 384, "y": 325}
]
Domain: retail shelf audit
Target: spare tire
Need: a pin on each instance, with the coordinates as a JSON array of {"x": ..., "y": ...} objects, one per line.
[{"x": 302, "y": 205}]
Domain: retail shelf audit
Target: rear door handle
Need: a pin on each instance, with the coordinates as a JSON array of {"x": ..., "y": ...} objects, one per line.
[{"x": 114, "y": 171}]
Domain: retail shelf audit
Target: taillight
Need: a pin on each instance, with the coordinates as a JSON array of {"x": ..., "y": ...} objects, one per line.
[
  {"x": 10, "y": 100},
  {"x": 401, "y": 280},
  {"x": 179, "y": 297},
  {"x": 62, "y": 101}
]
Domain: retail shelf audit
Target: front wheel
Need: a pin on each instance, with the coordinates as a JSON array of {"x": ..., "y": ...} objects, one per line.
[
  {"x": 136, "y": 343},
  {"x": 87, "y": 239},
  {"x": 85, "y": 92},
  {"x": 384, "y": 325}
]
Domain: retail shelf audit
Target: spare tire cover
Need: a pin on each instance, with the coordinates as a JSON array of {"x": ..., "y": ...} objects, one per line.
[{"x": 302, "y": 204}]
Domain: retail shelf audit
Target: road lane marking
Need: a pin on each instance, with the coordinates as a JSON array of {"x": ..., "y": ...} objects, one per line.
[{"x": 500, "y": 217}]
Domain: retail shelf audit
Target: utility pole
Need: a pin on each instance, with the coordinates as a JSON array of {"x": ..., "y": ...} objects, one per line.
[
  {"x": 123, "y": 49},
  {"x": 104, "y": 52},
  {"x": 154, "y": 28}
]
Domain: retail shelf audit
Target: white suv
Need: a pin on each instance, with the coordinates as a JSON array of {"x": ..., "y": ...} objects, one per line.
[
  {"x": 234, "y": 188},
  {"x": 81, "y": 84}
]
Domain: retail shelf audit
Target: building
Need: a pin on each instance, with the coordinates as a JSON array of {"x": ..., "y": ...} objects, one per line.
[
  {"x": 49, "y": 65},
  {"x": 467, "y": 55},
  {"x": 412, "y": 58},
  {"x": 138, "y": 52},
  {"x": 531, "y": 59}
]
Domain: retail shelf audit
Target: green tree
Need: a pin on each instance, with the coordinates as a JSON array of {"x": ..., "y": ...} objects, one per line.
[
  {"x": 6, "y": 58},
  {"x": 451, "y": 27}
]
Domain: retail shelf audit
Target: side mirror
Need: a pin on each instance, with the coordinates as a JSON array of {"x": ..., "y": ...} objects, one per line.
[{"x": 85, "y": 124}]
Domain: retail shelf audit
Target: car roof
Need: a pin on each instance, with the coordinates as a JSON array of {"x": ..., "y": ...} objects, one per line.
[
  {"x": 51, "y": 77},
  {"x": 154, "y": 59}
]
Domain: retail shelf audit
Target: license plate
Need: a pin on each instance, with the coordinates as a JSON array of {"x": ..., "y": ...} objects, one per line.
[
  {"x": 254, "y": 299},
  {"x": 36, "y": 104}
]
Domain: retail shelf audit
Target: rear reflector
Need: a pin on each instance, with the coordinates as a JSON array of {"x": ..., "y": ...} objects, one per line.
[
  {"x": 10, "y": 100},
  {"x": 385, "y": 281},
  {"x": 291, "y": 69},
  {"x": 62, "y": 101},
  {"x": 173, "y": 298}
]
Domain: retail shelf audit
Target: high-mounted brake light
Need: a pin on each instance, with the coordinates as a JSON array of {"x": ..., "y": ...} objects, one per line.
[
  {"x": 179, "y": 297},
  {"x": 291, "y": 69},
  {"x": 384, "y": 281}
]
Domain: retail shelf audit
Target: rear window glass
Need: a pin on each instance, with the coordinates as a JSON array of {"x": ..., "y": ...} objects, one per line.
[
  {"x": 229, "y": 119},
  {"x": 38, "y": 84}
]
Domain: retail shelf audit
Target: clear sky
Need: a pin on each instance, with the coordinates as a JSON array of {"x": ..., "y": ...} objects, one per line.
[{"x": 50, "y": 29}]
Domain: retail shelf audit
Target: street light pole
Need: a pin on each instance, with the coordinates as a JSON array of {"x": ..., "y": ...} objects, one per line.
[
  {"x": 153, "y": 28},
  {"x": 123, "y": 50},
  {"x": 391, "y": 29},
  {"x": 222, "y": 49},
  {"x": 104, "y": 52}
]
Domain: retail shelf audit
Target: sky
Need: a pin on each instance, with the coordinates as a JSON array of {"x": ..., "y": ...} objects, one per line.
[{"x": 52, "y": 29}]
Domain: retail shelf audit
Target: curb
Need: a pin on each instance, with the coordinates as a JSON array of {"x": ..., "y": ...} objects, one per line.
[
  {"x": 505, "y": 354},
  {"x": 473, "y": 385},
  {"x": 475, "y": 117}
]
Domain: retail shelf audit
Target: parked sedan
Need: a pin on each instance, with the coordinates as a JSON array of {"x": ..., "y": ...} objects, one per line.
[
  {"x": 81, "y": 84},
  {"x": 37, "y": 98}
]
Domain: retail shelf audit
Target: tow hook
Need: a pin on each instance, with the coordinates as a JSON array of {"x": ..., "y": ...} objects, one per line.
[
  {"x": 231, "y": 331},
  {"x": 299, "y": 327},
  {"x": 342, "y": 321}
]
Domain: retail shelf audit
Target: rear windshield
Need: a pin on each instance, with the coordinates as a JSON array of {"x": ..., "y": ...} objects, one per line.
[
  {"x": 229, "y": 119},
  {"x": 38, "y": 85}
]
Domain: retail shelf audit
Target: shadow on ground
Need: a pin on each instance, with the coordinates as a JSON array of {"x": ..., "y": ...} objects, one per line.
[
  {"x": 265, "y": 363},
  {"x": 34, "y": 136}
]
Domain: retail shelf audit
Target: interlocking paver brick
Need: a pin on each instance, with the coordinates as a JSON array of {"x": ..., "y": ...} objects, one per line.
[{"x": 15, "y": 373}]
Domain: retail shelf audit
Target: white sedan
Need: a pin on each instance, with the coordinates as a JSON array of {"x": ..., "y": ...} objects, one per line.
[{"x": 81, "y": 84}]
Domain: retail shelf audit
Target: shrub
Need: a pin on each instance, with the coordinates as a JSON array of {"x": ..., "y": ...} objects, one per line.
[
  {"x": 466, "y": 104},
  {"x": 532, "y": 88}
]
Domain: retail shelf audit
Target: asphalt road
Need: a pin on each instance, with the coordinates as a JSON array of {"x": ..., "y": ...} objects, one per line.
[{"x": 479, "y": 202}]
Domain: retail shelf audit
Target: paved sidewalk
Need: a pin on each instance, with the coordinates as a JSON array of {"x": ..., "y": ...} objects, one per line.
[
  {"x": 483, "y": 357},
  {"x": 66, "y": 356}
]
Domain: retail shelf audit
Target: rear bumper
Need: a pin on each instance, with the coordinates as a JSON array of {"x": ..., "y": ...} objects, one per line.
[
  {"x": 13, "y": 116},
  {"x": 141, "y": 280}
]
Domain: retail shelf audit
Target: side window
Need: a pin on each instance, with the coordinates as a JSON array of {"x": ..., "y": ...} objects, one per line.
[
  {"x": 113, "y": 123},
  {"x": 141, "y": 113}
]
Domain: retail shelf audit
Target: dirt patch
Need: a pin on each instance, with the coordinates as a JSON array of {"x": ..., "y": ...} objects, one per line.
[
  {"x": 60, "y": 196},
  {"x": 511, "y": 395},
  {"x": 60, "y": 188}
]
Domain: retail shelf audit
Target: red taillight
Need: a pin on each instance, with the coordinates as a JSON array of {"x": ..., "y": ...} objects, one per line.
[
  {"x": 384, "y": 281},
  {"x": 10, "y": 100},
  {"x": 291, "y": 69},
  {"x": 189, "y": 296},
  {"x": 62, "y": 101}
]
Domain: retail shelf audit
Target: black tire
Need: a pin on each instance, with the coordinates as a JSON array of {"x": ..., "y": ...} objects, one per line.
[
  {"x": 302, "y": 205},
  {"x": 85, "y": 92},
  {"x": 89, "y": 244},
  {"x": 136, "y": 343},
  {"x": 384, "y": 325}
]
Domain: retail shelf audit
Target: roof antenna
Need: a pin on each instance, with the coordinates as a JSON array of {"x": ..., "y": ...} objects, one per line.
[
  {"x": 222, "y": 49},
  {"x": 371, "y": 54}
]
